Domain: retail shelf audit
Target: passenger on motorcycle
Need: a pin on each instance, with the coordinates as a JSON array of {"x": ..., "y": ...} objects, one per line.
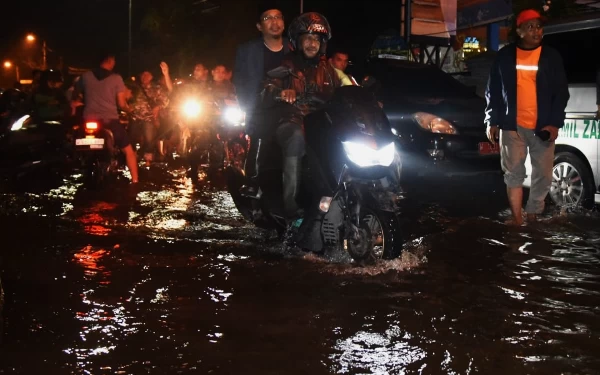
[
  {"x": 312, "y": 82},
  {"x": 103, "y": 94}
]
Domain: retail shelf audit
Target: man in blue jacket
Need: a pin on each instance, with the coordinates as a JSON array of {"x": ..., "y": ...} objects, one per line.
[
  {"x": 252, "y": 60},
  {"x": 527, "y": 93}
]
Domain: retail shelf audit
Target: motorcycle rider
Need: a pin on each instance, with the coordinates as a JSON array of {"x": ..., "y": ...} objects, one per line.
[
  {"x": 103, "y": 94},
  {"x": 252, "y": 60},
  {"x": 310, "y": 74},
  {"x": 221, "y": 87},
  {"x": 150, "y": 101},
  {"x": 199, "y": 87}
]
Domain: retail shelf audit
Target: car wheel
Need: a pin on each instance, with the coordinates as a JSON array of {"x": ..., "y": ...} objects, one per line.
[{"x": 572, "y": 182}]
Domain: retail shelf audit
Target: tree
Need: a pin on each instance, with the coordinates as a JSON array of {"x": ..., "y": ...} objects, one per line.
[{"x": 187, "y": 32}]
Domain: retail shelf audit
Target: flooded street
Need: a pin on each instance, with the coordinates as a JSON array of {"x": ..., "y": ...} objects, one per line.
[{"x": 169, "y": 279}]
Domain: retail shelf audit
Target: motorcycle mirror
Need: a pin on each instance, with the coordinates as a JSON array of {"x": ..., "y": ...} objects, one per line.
[{"x": 279, "y": 72}]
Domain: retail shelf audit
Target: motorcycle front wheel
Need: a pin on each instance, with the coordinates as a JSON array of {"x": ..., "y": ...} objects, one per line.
[{"x": 379, "y": 237}]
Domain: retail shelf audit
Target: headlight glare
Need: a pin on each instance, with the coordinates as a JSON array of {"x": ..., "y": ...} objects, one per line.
[
  {"x": 192, "y": 108},
  {"x": 234, "y": 115},
  {"x": 364, "y": 156}
]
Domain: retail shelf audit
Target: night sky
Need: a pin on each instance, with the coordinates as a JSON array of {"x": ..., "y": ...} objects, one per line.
[{"x": 73, "y": 27}]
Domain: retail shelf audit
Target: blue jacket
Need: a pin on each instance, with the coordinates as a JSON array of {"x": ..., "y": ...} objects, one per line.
[
  {"x": 501, "y": 90},
  {"x": 248, "y": 72}
]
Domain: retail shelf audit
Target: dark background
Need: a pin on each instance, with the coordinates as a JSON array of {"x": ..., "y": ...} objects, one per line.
[{"x": 181, "y": 32}]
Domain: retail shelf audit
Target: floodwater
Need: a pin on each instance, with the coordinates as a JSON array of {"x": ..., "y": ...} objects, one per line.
[{"x": 169, "y": 279}]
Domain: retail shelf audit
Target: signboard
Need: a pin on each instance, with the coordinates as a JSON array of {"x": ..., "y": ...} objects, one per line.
[
  {"x": 432, "y": 18},
  {"x": 472, "y": 13},
  {"x": 390, "y": 47}
]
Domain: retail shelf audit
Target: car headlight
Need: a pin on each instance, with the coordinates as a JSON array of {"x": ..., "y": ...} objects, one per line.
[
  {"x": 364, "y": 156},
  {"x": 434, "y": 124},
  {"x": 234, "y": 116},
  {"x": 17, "y": 125},
  {"x": 192, "y": 108}
]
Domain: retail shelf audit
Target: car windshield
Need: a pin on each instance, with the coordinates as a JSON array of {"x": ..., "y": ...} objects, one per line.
[{"x": 418, "y": 80}]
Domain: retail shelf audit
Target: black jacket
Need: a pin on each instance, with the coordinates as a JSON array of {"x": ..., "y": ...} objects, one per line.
[
  {"x": 248, "y": 72},
  {"x": 501, "y": 90},
  {"x": 314, "y": 82}
]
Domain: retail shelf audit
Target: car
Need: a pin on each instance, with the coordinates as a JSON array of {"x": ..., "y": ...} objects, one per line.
[
  {"x": 576, "y": 172},
  {"x": 438, "y": 121}
]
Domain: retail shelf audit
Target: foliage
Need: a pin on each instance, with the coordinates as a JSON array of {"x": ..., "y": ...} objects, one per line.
[{"x": 187, "y": 32}]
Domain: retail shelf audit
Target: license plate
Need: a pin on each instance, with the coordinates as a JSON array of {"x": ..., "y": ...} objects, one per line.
[
  {"x": 89, "y": 142},
  {"x": 486, "y": 148}
]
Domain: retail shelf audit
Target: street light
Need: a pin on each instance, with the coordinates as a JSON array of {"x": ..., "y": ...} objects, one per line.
[
  {"x": 32, "y": 38},
  {"x": 8, "y": 65}
]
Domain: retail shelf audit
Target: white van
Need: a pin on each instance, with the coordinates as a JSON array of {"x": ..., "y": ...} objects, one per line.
[{"x": 576, "y": 175}]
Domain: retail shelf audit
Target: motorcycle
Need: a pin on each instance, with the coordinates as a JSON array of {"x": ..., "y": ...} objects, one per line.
[
  {"x": 350, "y": 176},
  {"x": 96, "y": 152},
  {"x": 212, "y": 133},
  {"x": 232, "y": 133}
]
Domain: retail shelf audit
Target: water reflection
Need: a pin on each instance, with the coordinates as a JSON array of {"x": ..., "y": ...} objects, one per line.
[
  {"x": 377, "y": 353},
  {"x": 94, "y": 220},
  {"x": 191, "y": 289},
  {"x": 100, "y": 321},
  {"x": 166, "y": 205}
]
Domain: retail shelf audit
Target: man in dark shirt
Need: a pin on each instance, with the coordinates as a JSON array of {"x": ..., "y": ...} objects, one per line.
[{"x": 252, "y": 60}]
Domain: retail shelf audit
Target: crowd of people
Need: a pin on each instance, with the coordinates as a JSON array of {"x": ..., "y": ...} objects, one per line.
[{"x": 526, "y": 100}]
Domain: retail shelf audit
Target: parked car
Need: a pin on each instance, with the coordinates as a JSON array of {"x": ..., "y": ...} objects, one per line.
[
  {"x": 438, "y": 121},
  {"x": 576, "y": 174}
]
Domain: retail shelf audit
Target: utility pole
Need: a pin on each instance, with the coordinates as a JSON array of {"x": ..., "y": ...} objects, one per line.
[
  {"x": 44, "y": 53},
  {"x": 18, "y": 73},
  {"x": 129, "y": 53},
  {"x": 301, "y": 6}
]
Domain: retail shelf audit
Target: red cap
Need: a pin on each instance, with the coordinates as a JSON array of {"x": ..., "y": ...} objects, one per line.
[{"x": 527, "y": 15}]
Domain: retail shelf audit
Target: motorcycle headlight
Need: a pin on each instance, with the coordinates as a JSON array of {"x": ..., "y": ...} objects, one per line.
[
  {"x": 234, "y": 116},
  {"x": 17, "y": 125},
  {"x": 364, "y": 156},
  {"x": 192, "y": 108},
  {"x": 434, "y": 124}
]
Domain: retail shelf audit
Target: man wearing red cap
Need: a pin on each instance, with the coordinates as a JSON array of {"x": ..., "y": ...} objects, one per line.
[{"x": 527, "y": 93}]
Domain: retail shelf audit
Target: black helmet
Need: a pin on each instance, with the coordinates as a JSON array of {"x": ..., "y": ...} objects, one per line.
[{"x": 310, "y": 23}]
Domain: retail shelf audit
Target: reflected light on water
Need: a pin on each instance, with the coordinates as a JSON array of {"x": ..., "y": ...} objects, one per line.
[
  {"x": 387, "y": 353},
  {"x": 100, "y": 321},
  {"x": 165, "y": 204},
  {"x": 92, "y": 219},
  {"x": 66, "y": 193}
]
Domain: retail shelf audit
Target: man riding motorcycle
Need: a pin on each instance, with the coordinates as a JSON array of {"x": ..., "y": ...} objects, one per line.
[{"x": 311, "y": 82}]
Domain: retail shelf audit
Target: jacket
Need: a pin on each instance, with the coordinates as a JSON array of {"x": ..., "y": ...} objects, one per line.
[
  {"x": 501, "y": 91},
  {"x": 248, "y": 72},
  {"x": 316, "y": 79}
]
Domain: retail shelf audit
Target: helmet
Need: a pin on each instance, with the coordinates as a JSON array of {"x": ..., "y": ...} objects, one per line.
[{"x": 310, "y": 23}]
